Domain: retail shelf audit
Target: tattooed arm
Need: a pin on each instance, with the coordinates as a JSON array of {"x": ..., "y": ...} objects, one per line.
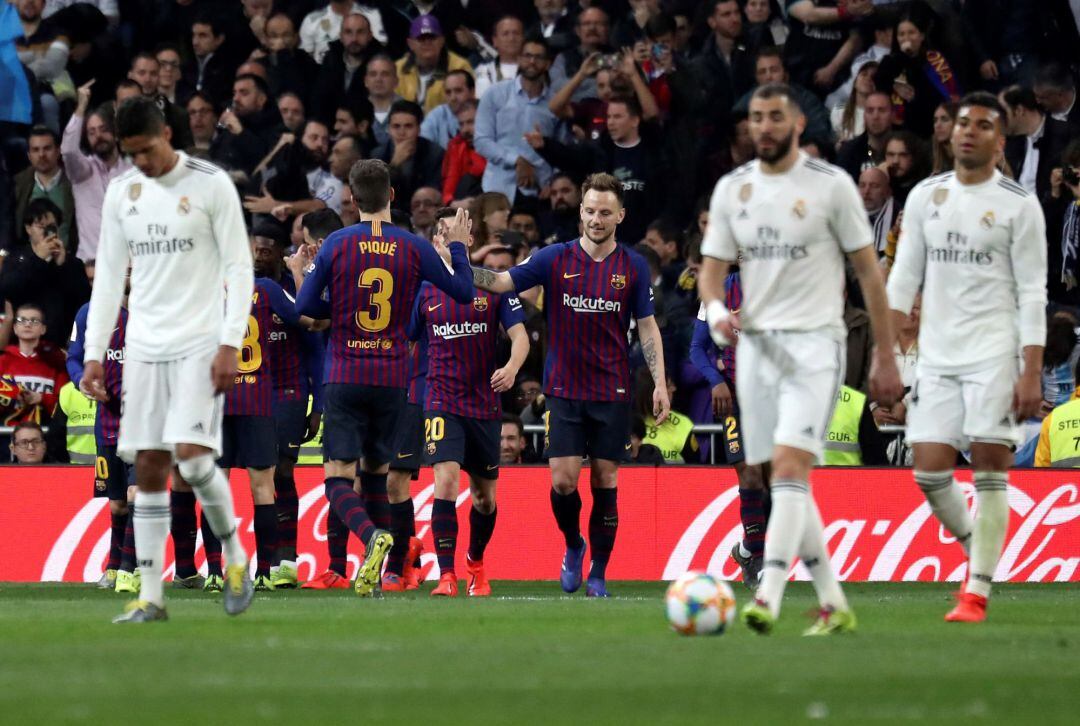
[
  {"x": 492, "y": 281},
  {"x": 653, "y": 350}
]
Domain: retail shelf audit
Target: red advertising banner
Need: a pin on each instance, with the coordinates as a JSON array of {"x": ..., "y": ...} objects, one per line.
[{"x": 672, "y": 519}]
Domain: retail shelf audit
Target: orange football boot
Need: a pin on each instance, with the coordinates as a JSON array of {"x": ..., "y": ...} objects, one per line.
[
  {"x": 970, "y": 608},
  {"x": 410, "y": 573},
  {"x": 478, "y": 582},
  {"x": 447, "y": 586},
  {"x": 392, "y": 583},
  {"x": 328, "y": 580}
]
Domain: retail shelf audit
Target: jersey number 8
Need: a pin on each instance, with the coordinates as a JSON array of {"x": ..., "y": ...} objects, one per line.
[
  {"x": 249, "y": 357},
  {"x": 380, "y": 286}
]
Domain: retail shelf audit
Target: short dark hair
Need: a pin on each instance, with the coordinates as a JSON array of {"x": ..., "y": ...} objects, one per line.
[
  {"x": 602, "y": 182},
  {"x": 143, "y": 55},
  {"x": 513, "y": 418},
  {"x": 469, "y": 103},
  {"x": 356, "y": 141},
  {"x": 633, "y": 106},
  {"x": 162, "y": 47},
  {"x": 991, "y": 102},
  {"x": 24, "y": 425},
  {"x": 369, "y": 180},
  {"x": 359, "y": 108},
  {"x": 470, "y": 81},
  {"x": 1055, "y": 76},
  {"x": 445, "y": 212},
  {"x": 41, "y": 207},
  {"x": 202, "y": 96},
  {"x": 649, "y": 254},
  {"x": 540, "y": 40},
  {"x": 216, "y": 23},
  {"x": 1013, "y": 96},
  {"x": 668, "y": 230},
  {"x": 770, "y": 51},
  {"x": 321, "y": 223},
  {"x": 127, "y": 83},
  {"x": 259, "y": 81},
  {"x": 660, "y": 24},
  {"x": 139, "y": 116},
  {"x": 410, "y": 107},
  {"x": 40, "y": 130}
]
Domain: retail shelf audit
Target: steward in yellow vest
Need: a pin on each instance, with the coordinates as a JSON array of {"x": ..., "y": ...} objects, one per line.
[
  {"x": 1059, "y": 438},
  {"x": 81, "y": 413},
  {"x": 674, "y": 438},
  {"x": 853, "y": 438},
  {"x": 311, "y": 451}
]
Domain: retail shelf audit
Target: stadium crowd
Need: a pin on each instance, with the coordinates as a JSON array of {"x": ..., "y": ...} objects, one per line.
[{"x": 503, "y": 107}]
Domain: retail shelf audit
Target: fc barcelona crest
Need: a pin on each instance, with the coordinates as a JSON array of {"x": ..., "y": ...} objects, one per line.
[
  {"x": 134, "y": 191},
  {"x": 480, "y": 304},
  {"x": 618, "y": 281},
  {"x": 431, "y": 448}
]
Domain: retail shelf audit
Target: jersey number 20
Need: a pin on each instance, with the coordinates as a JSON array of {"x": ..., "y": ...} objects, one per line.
[{"x": 380, "y": 286}]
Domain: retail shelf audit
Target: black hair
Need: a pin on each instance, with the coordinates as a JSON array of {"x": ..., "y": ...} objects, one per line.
[
  {"x": 359, "y": 108},
  {"x": 538, "y": 39},
  {"x": 39, "y": 208},
  {"x": 1060, "y": 339},
  {"x": 660, "y": 24},
  {"x": 40, "y": 130},
  {"x": 144, "y": 55},
  {"x": 470, "y": 81},
  {"x": 139, "y": 116},
  {"x": 668, "y": 230},
  {"x": 321, "y": 223},
  {"x": 410, "y": 107},
  {"x": 1013, "y": 96},
  {"x": 259, "y": 81},
  {"x": 631, "y": 103},
  {"x": 216, "y": 23},
  {"x": 369, "y": 180},
  {"x": 1055, "y": 76},
  {"x": 513, "y": 418}
]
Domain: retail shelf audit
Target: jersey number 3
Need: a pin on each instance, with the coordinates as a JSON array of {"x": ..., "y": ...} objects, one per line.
[{"x": 380, "y": 286}]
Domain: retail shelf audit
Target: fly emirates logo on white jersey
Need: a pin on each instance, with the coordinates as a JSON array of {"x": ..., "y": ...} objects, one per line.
[
  {"x": 159, "y": 242},
  {"x": 768, "y": 246},
  {"x": 957, "y": 252},
  {"x": 449, "y": 331},
  {"x": 582, "y": 304}
]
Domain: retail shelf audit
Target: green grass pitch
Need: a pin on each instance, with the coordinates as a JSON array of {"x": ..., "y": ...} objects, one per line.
[{"x": 532, "y": 655}]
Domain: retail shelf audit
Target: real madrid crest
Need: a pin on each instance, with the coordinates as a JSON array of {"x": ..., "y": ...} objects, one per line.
[
  {"x": 799, "y": 210},
  {"x": 940, "y": 195},
  {"x": 184, "y": 206},
  {"x": 134, "y": 191},
  {"x": 987, "y": 221},
  {"x": 745, "y": 192},
  {"x": 480, "y": 304},
  {"x": 618, "y": 281}
]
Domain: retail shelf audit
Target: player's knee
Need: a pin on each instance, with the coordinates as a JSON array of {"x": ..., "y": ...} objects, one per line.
[
  {"x": 789, "y": 463},
  {"x": 483, "y": 500},
  {"x": 284, "y": 471},
  {"x": 750, "y": 477},
  {"x": 118, "y": 506},
  {"x": 198, "y": 470},
  {"x": 603, "y": 477},
  {"x": 563, "y": 485}
]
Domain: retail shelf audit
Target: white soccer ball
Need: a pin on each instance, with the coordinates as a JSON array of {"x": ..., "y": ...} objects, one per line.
[{"x": 699, "y": 604}]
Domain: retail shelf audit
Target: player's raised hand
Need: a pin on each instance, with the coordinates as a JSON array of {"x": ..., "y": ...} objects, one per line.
[
  {"x": 93, "y": 381},
  {"x": 223, "y": 369},
  {"x": 661, "y": 406},
  {"x": 721, "y": 400},
  {"x": 459, "y": 229},
  {"x": 83, "y": 93},
  {"x": 502, "y": 380},
  {"x": 1027, "y": 395},
  {"x": 886, "y": 386}
]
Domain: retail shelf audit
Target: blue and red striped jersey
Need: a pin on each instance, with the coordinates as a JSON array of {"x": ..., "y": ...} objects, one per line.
[
  {"x": 107, "y": 421},
  {"x": 295, "y": 357},
  {"x": 418, "y": 363},
  {"x": 253, "y": 393},
  {"x": 733, "y": 302},
  {"x": 588, "y": 305},
  {"x": 373, "y": 272},
  {"x": 461, "y": 342}
]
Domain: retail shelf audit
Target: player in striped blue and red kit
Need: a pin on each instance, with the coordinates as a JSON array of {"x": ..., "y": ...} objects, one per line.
[
  {"x": 372, "y": 271},
  {"x": 717, "y": 365},
  {"x": 112, "y": 476},
  {"x": 295, "y": 358},
  {"x": 592, "y": 288},
  {"x": 463, "y": 416}
]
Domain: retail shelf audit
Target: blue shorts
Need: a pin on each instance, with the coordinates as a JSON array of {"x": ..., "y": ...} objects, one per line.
[
  {"x": 597, "y": 429},
  {"x": 290, "y": 418},
  {"x": 409, "y": 441},
  {"x": 248, "y": 442},
  {"x": 471, "y": 442},
  {"x": 360, "y": 421},
  {"x": 732, "y": 438},
  {"x": 112, "y": 475}
]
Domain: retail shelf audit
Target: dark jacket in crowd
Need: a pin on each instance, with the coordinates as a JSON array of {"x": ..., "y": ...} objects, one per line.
[
  {"x": 330, "y": 90},
  {"x": 59, "y": 289},
  {"x": 424, "y": 169},
  {"x": 244, "y": 151}
]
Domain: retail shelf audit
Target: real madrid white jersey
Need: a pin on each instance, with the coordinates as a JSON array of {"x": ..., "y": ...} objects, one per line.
[
  {"x": 978, "y": 252},
  {"x": 789, "y": 232},
  {"x": 183, "y": 234}
]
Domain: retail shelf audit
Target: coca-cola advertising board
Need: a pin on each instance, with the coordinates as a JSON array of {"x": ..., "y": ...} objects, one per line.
[{"x": 671, "y": 519}]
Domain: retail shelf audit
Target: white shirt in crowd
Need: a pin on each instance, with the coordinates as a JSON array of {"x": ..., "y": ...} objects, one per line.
[
  {"x": 183, "y": 234},
  {"x": 978, "y": 252},
  {"x": 326, "y": 187},
  {"x": 792, "y": 231},
  {"x": 1029, "y": 173},
  {"x": 322, "y": 27},
  {"x": 490, "y": 73}
]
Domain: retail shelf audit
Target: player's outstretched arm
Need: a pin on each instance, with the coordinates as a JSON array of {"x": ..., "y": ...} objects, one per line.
[
  {"x": 1028, "y": 255},
  {"x": 492, "y": 281},
  {"x": 108, "y": 292},
  {"x": 885, "y": 385},
  {"x": 652, "y": 348},
  {"x": 503, "y": 379}
]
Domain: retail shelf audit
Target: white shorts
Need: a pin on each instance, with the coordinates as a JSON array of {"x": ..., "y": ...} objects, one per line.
[
  {"x": 787, "y": 383},
  {"x": 961, "y": 408},
  {"x": 169, "y": 403}
]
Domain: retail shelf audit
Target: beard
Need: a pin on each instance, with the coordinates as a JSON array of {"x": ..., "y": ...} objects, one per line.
[
  {"x": 783, "y": 146},
  {"x": 104, "y": 148},
  {"x": 595, "y": 237}
]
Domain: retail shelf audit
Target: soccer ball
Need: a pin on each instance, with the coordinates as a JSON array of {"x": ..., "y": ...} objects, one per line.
[{"x": 699, "y": 604}]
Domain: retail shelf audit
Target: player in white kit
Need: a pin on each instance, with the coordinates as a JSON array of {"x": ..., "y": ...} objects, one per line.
[
  {"x": 974, "y": 242},
  {"x": 177, "y": 221},
  {"x": 792, "y": 219}
]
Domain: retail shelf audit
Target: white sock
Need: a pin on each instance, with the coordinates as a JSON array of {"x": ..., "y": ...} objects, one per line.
[
  {"x": 815, "y": 556},
  {"x": 948, "y": 504},
  {"x": 151, "y": 523},
  {"x": 991, "y": 525},
  {"x": 782, "y": 538},
  {"x": 743, "y": 552},
  {"x": 211, "y": 487}
]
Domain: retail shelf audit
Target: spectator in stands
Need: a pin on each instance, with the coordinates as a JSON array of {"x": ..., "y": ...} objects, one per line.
[
  {"x": 356, "y": 118},
  {"x": 868, "y": 148},
  {"x": 823, "y": 40},
  {"x": 322, "y": 27},
  {"x": 853, "y": 439},
  {"x": 203, "y": 122},
  {"x": 1004, "y": 38},
  {"x": 463, "y": 168},
  {"x": 881, "y": 26},
  {"x": 414, "y": 161},
  {"x": 528, "y": 399},
  {"x": 507, "y": 111},
  {"x": 561, "y": 222},
  {"x": 642, "y": 452},
  {"x": 675, "y": 436},
  {"x": 881, "y": 209},
  {"x": 905, "y": 162},
  {"x": 293, "y": 112},
  {"x": 345, "y": 152},
  {"x": 441, "y": 124},
  {"x": 523, "y": 221},
  {"x": 1058, "y": 382},
  {"x": 44, "y": 52},
  {"x": 499, "y": 258},
  {"x": 665, "y": 239},
  {"x": 554, "y": 24},
  {"x": 592, "y": 34},
  {"x": 35, "y": 366},
  {"x": 917, "y": 74},
  {"x": 44, "y": 178},
  {"x": 1061, "y": 207},
  {"x": 721, "y": 73},
  {"x": 421, "y": 71},
  {"x": 490, "y": 213},
  {"x": 171, "y": 84},
  {"x": 289, "y": 68},
  {"x": 90, "y": 173},
  {"x": 380, "y": 81},
  {"x": 615, "y": 75},
  {"x": 769, "y": 68},
  {"x": 1035, "y": 141},
  {"x": 422, "y": 207},
  {"x": 145, "y": 71},
  {"x": 341, "y": 75},
  {"x": 944, "y": 119},
  {"x": 507, "y": 38},
  {"x": 764, "y": 23},
  {"x": 28, "y": 444},
  {"x": 848, "y": 119},
  {"x": 514, "y": 446},
  {"x": 125, "y": 89},
  {"x": 1055, "y": 90},
  {"x": 630, "y": 28},
  {"x": 212, "y": 69},
  {"x": 251, "y": 127},
  {"x": 1056, "y": 446}
]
